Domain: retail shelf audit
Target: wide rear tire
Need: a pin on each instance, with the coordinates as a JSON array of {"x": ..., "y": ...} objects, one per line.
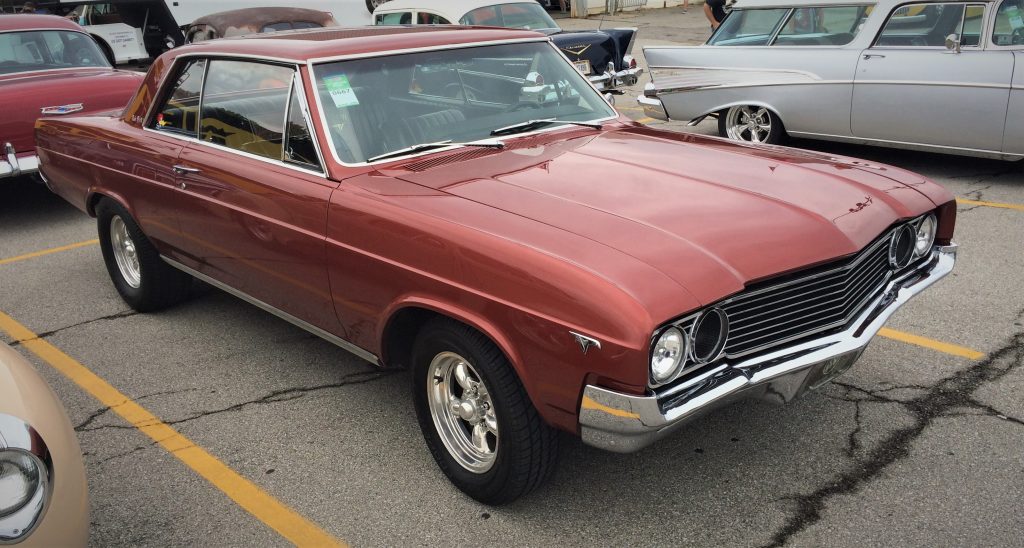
[
  {"x": 140, "y": 276},
  {"x": 476, "y": 417}
]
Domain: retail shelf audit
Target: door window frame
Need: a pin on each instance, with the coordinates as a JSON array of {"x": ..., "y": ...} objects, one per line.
[
  {"x": 167, "y": 83},
  {"x": 982, "y": 43}
]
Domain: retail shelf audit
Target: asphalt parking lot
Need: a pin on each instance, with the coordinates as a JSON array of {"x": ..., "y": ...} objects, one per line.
[{"x": 244, "y": 430}]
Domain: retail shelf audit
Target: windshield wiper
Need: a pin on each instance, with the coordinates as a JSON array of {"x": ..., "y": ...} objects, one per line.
[
  {"x": 534, "y": 124},
  {"x": 437, "y": 144}
]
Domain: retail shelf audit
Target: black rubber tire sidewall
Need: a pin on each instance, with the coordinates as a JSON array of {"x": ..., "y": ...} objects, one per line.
[
  {"x": 505, "y": 481},
  {"x": 160, "y": 284}
]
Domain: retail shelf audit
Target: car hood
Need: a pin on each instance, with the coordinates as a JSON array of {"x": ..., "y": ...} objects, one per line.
[
  {"x": 712, "y": 215},
  {"x": 97, "y": 89}
]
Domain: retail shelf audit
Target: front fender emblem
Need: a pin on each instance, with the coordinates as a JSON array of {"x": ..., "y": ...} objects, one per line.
[
  {"x": 585, "y": 342},
  {"x": 62, "y": 109}
]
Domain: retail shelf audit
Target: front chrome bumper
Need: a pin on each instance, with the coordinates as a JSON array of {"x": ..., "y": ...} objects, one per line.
[
  {"x": 624, "y": 423},
  {"x": 12, "y": 166},
  {"x": 612, "y": 80}
]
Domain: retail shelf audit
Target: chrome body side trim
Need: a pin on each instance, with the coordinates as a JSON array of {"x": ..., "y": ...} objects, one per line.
[
  {"x": 974, "y": 152},
  {"x": 16, "y": 435},
  {"x": 360, "y": 352},
  {"x": 625, "y": 423},
  {"x": 12, "y": 166}
]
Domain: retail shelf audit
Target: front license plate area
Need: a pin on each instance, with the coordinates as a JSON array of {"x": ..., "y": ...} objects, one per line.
[{"x": 582, "y": 66}]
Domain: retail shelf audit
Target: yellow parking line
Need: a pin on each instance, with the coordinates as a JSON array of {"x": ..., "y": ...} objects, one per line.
[
  {"x": 35, "y": 254},
  {"x": 288, "y": 523},
  {"x": 963, "y": 201},
  {"x": 645, "y": 120},
  {"x": 938, "y": 346},
  {"x": 628, "y": 108}
]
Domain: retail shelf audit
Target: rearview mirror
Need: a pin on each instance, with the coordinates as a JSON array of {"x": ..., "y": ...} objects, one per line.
[{"x": 953, "y": 43}]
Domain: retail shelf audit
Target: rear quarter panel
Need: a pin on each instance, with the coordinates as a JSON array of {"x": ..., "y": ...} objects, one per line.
[{"x": 809, "y": 88}]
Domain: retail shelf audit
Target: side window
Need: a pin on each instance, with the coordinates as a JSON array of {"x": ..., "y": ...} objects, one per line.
[
  {"x": 244, "y": 106},
  {"x": 424, "y": 18},
  {"x": 180, "y": 108},
  {"x": 274, "y": 27},
  {"x": 924, "y": 25},
  {"x": 1009, "y": 27},
  {"x": 836, "y": 26},
  {"x": 748, "y": 27},
  {"x": 399, "y": 18},
  {"x": 299, "y": 148},
  {"x": 974, "y": 18}
]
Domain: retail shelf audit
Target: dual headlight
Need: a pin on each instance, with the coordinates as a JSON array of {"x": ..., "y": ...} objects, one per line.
[
  {"x": 912, "y": 241},
  {"x": 25, "y": 472},
  {"x": 699, "y": 341}
]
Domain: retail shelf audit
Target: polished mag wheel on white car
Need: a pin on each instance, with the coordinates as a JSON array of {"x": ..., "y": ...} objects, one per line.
[
  {"x": 476, "y": 417},
  {"x": 751, "y": 124}
]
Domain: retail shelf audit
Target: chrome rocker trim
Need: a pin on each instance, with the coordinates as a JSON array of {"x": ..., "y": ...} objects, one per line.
[
  {"x": 12, "y": 166},
  {"x": 624, "y": 423}
]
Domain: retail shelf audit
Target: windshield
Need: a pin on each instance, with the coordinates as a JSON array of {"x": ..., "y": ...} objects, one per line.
[
  {"x": 528, "y": 15},
  {"x": 379, "y": 105},
  {"x": 46, "y": 50}
]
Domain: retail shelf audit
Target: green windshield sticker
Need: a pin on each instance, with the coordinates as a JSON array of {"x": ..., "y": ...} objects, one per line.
[{"x": 341, "y": 91}]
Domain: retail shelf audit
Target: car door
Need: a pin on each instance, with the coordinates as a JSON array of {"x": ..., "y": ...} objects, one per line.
[
  {"x": 910, "y": 88},
  {"x": 1008, "y": 35},
  {"x": 258, "y": 196}
]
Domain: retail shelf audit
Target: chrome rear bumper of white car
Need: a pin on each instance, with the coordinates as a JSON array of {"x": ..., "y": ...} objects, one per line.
[
  {"x": 12, "y": 166},
  {"x": 612, "y": 80},
  {"x": 624, "y": 423}
]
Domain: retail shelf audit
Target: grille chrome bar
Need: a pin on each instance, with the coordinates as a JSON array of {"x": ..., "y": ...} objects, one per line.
[{"x": 802, "y": 305}]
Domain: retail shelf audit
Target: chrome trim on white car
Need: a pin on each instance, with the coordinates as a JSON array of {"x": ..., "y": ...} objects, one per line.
[{"x": 12, "y": 166}]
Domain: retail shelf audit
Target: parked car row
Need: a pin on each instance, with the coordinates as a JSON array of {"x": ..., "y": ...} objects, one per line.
[{"x": 464, "y": 202}]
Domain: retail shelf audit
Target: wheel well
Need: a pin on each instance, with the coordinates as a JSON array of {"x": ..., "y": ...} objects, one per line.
[
  {"x": 401, "y": 331},
  {"x": 90, "y": 206},
  {"x": 107, "y": 50}
]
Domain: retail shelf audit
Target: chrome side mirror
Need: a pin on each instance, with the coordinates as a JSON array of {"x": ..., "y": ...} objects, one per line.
[{"x": 953, "y": 43}]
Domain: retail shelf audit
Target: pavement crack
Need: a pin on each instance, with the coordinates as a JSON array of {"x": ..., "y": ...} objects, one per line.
[
  {"x": 944, "y": 396},
  {"x": 81, "y": 427},
  {"x": 45, "y": 334},
  {"x": 852, "y": 442},
  {"x": 989, "y": 410}
]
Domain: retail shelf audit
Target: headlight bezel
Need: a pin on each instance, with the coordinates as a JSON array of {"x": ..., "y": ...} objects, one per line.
[
  {"x": 687, "y": 326},
  {"x": 922, "y": 222},
  {"x": 18, "y": 438},
  {"x": 679, "y": 359}
]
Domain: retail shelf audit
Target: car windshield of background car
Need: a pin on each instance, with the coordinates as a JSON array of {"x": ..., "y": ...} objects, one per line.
[
  {"x": 529, "y": 16},
  {"x": 383, "y": 104},
  {"x": 1009, "y": 27},
  {"x": 47, "y": 50},
  {"x": 832, "y": 26},
  {"x": 748, "y": 27}
]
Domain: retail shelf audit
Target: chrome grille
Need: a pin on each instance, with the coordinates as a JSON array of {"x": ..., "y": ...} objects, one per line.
[{"x": 813, "y": 302}]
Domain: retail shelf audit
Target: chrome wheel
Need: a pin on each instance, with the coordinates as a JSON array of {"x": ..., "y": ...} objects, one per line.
[
  {"x": 125, "y": 254},
  {"x": 750, "y": 124},
  {"x": 463, "y": 412}
]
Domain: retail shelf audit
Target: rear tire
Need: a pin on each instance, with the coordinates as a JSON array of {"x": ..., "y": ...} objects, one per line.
[
  {"x": 476, "y": 418},
  {"x": 751, "y": 124},
  {"x": 140, "y": 276}
]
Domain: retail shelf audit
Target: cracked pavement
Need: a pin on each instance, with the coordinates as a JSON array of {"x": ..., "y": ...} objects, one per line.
[{"x": 909, "y": 447}]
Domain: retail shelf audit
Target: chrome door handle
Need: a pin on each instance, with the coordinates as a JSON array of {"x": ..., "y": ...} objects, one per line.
[
  {"x": 870, "y": 55},
  {"x": 184, "y": 170}
]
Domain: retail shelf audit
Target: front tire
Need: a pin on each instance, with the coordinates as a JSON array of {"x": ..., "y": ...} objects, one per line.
[
  {"x": 476, "y": 418},
  {"x": 140, "y": 276},
  {"x": 751, "y": 124}
]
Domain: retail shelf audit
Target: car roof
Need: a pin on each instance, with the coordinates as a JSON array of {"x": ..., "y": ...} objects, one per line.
[
  {"x": 305, "y": 45},
  {"x": 446, "y": 6},
  {"x": 32, "y": 22}
]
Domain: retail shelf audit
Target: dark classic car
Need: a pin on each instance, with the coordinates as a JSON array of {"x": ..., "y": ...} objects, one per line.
[
  {"x": 244, "y": 21},
  {"x": 538, "y": 261},
  {"x": 604, "y": 56},
  {"x": 49, "y": 66}
]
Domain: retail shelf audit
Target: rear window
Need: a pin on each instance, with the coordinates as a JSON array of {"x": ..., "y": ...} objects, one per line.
[
  {"x": 529, "y": 16},
  {"x": 48, "y": 50},
  {"x": 748, "y": 27}
]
